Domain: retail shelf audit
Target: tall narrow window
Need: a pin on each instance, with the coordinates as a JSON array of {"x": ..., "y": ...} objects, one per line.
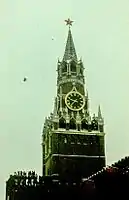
[
  {"x": 72, "y": 124},
  {"x": 73, "y": 66},
  {"x": 64, "y": 67},
  {"x": 84, "y": 124},
  {"x": 62, "y": 123}
]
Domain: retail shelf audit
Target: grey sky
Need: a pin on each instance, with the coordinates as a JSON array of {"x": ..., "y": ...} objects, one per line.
[{"x": 101, "y": 37}]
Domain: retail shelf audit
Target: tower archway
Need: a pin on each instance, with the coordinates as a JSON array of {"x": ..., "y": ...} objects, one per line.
[
  {"x": 62, "y": 123},
  {"x": 84, "y": 124},
  {"x": 72, "y": 124}
]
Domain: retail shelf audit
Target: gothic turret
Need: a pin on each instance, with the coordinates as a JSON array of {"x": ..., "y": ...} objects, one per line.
[{"x": 70, "y": 135}]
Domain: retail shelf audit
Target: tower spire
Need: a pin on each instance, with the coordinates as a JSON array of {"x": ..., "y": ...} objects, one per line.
[
  {"x": 70, "y": 52},
  {"x": 99, "y": 113}
]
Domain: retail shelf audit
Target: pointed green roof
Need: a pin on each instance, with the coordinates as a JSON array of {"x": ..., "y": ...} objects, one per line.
[{"x": 70, "y": 52}]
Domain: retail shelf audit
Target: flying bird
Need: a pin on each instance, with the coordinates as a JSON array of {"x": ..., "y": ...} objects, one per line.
[{"x": 25, "y": 79}]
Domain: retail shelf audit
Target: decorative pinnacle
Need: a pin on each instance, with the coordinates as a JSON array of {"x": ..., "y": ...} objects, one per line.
[
  {"x": 69, "y": 22},
  {"x": 99, "y": 113}
]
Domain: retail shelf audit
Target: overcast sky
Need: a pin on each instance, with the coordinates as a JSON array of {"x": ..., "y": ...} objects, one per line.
[{"x": 101, "y": 36}]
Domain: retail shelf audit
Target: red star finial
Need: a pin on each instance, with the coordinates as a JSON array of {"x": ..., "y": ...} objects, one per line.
[{"x": 69, "y": 22}]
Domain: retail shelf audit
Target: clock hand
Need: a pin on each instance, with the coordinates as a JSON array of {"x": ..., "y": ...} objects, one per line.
[
  {"x": 74, "y": 101},
  {"x": 70, "y": 99}
]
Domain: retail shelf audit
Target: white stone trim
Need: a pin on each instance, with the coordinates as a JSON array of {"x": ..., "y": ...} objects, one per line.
[
  {"x": 74, "y": 156},
  {"x": 60, "y": 82},
  {"x": 75, "y": 132}
]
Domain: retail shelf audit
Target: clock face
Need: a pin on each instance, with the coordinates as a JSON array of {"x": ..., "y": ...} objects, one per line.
[{"x": 74, "y": 101}]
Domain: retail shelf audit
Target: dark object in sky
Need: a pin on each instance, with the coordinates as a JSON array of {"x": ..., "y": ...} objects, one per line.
[{"x": 25, "y": 79}]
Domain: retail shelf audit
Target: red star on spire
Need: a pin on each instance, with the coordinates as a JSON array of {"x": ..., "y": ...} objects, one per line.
[{"x": 69, "y": 22}]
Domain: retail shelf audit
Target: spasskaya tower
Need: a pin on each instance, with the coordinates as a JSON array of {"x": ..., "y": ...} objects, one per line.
[{"x": 72, "y": 141}]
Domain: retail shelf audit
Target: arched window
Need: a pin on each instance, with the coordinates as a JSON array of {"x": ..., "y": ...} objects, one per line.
[
  {"x": 73, "y": 66},
  {"x": 64, "y": 67},
  {"x": 62, "y": 123},
  {"x": 84, "y": 124},
  {"x": 72, "y": 124}
]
